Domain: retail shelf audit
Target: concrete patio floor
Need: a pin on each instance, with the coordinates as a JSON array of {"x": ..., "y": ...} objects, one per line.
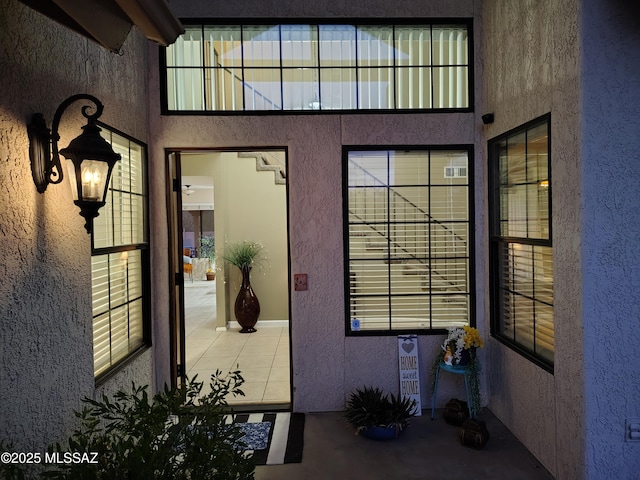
[{"x": 427, "y": 450}]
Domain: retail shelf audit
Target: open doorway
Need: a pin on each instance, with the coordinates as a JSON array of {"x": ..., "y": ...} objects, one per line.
[{"x": 229, "y": 197}]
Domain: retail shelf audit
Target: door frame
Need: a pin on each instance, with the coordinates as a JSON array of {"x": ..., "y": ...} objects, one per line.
[
  {"x": 176, "y": 280},
  {"x": 177, "y": 355}
]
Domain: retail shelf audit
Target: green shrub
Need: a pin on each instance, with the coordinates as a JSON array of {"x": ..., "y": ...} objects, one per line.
[
  {"x": 176, "y": 434},
  {"x": 8, "y": 470}
]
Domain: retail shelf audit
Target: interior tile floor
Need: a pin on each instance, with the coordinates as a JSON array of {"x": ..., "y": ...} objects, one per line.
[{"x": 262, "y": 357}]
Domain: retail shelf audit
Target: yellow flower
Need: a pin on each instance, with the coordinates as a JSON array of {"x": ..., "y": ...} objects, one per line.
[{"x": 472, "y": 338}]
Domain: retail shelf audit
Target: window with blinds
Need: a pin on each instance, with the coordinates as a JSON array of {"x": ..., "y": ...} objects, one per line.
[
  {"x": 318, "y": 67},
  {"x": 409, "y": 239},
  {"x": 120, "y": 260},
  {"x": 521, "y": 248}
]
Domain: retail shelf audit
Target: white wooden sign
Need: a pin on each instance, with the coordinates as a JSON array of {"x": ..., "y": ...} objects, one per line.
[{"x": 409, "y": 369}]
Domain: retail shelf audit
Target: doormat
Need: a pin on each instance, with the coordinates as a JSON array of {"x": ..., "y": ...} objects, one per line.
[
  {"x": 256, "y": 435},
  {"x": 273, "y": 438}
]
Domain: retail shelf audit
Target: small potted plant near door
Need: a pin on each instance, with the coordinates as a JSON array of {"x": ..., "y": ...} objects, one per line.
[
  {"x": 245, "y": 255},
  {"x": 377, "y": 415}
]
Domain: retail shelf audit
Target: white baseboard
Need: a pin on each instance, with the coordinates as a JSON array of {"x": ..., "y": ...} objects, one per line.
[
  {"x": 272, "y": 323},
  {"x": 260, "y": 324}
]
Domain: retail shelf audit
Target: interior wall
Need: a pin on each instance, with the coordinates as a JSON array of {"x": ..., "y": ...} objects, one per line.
[
  {"x": 46, "y": 338},
  {"x": 255, "y": 210},
  {"x": 251, "y": 207},
  {"x": 190, "y": 228}
]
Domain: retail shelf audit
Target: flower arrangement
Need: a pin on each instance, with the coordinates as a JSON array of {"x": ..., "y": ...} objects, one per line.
[
  {"x": 458, "y": 349},
  {"x": 458, "y": 341}
]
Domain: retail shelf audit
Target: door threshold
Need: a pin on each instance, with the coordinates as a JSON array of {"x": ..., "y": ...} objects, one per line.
[{"x": 261, "y": 407}]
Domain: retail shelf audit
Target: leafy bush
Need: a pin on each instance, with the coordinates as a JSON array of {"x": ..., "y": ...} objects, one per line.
[
  {"x": 176, "y": 434},
  {"x": 9, "y": 470}
]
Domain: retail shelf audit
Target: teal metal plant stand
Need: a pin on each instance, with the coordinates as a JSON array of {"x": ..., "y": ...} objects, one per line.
[{"x": 458, "y": 370}]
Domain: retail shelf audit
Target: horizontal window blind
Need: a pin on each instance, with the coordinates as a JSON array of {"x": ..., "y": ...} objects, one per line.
[
  {"x": 521, "y": 253},
  {"x": 408, "y": 244},
  {"x": 120, "y": 260},
  {"x": 318, "y": 67}
]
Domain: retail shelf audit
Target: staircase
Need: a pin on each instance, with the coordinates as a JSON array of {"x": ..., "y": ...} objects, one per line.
[
  {"x": 421, "y": 261},
  {"x": 268, "y": 162}
]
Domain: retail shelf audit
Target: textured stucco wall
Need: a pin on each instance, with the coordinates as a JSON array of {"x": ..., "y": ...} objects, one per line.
[
  {"x": 326, "y": 364},
  {"x": 323, "y": 9},
  {"x": 611, "y": 227},
  {"x": 577, "y": 59},
  {"x": 46, "y": 354},
  {"x": 531, "y": 67}
]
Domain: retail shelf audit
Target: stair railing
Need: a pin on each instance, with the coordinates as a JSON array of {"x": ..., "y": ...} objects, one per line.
[
  {"x": 405, "y": 201},
  {"x": 408, "y": 209}
]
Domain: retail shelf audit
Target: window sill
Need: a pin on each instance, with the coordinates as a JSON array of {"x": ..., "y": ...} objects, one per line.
[
  {"x": 526, "y": 353},
  {"x": 104, "y": 377}
]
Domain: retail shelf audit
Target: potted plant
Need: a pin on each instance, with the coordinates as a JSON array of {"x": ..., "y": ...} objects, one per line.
[
  {"x": 377, "y": 415},
  {"x": 458, "y": 351},
  {"x": 208, "y": 250},
  {"x": 245, "y": 255}
]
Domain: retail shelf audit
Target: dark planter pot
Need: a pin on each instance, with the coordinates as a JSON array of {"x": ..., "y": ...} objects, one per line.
[
  {"x": 465, "y": 357},
  {"x": 381, "y": 433},
  {"x": 247, "y": 306}
]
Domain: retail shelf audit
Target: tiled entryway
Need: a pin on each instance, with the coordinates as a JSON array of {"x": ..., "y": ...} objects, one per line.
[{"x": 262, "y": 357}]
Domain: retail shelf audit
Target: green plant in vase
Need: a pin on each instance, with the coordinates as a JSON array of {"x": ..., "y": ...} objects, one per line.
[{"x": 245, "y": 256}]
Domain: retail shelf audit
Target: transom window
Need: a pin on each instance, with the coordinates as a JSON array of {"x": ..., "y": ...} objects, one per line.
[
  {"x": 521, "y": 247},
  {"x": 120, "y": 260},
  {"x": 318, "y": 67},
  {"x": 408, "y": 239}
]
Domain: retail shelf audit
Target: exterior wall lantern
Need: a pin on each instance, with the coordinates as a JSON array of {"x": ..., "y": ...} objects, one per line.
[{"x": 90, "y": 158}]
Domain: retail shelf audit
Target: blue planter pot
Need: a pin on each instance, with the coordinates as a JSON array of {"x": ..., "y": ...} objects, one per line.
[{"x": 381, "y": 433}]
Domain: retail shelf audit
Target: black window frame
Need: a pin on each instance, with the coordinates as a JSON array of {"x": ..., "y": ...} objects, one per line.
[
  {"x": 471, "y": 236},
  {"x": 356, "y": 22},
  {"x": 498, "y": 241},
  {"x": 145, "y": 251}
]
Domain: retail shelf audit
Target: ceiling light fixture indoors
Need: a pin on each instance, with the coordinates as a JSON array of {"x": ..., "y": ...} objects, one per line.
[{"x": 90, "y": 158}]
